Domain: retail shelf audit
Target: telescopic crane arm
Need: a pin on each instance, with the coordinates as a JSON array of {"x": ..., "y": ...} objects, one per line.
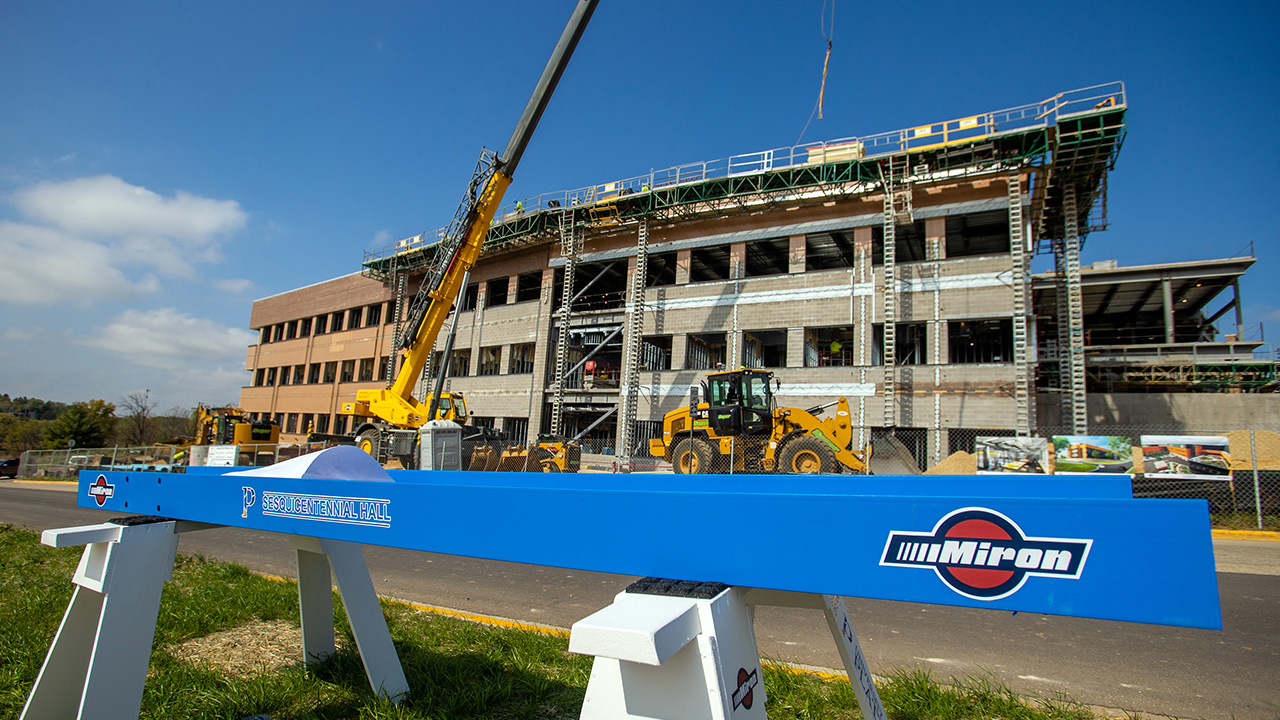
[{"x": 462, "y": 244}]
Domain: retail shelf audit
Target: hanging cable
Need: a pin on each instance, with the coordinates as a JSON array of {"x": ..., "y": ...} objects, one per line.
[{"x": 822, "y": 89}]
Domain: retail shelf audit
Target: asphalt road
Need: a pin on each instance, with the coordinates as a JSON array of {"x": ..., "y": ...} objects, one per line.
[{"x": 1157, "y": 670}]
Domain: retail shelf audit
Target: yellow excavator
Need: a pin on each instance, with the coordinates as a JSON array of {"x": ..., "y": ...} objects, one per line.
[
  {"x": 227, "y": 425},
  {"x": 738, "y": 428},
  {"x": 396, "y": 414}
]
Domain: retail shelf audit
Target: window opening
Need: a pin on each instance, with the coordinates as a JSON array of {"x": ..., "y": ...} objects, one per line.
[
  {"x": 908, "y": 243},
  {"x": 705, "y": 351},
  {"x": 829, "y": 251},
  {"x": 469, "y": 297},
  {"x": 495, "y": 292},
  {"x": 768, "y": 257},
  {"x": 764, "y": 348},
  {"x": 709, "y": 264},
  {"x": 984, "y": 233},
  {"x": 660, "y": 269},
  {"x": 980, "y": 341},
  {"x": 522, "y": 358},
  {"x": 490, "y": 360},
  {"x": 655, "y": 353},
  {"x": 529, "y": 286},
  {"x": 829, "y": 346}
]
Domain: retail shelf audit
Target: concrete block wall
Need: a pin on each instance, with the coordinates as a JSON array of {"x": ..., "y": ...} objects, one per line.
[{"x": 934, "y": 291}]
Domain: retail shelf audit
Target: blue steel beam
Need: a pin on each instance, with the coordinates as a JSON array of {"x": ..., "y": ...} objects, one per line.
[
  {"x": 1099, "y": 486},
  {"x": 1033, "y": 545}
]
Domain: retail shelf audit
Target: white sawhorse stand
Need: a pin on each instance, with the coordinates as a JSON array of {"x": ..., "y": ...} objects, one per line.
[
  {"x": 691, "y": 653},
  {"x": 97, "y": 664}
]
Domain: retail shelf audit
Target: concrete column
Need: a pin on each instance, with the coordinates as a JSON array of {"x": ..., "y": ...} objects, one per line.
[
  {"x": 797, "y": 255},
  {"x": 504, "y": 360},
  {"x": 679, "y": 348},
  {"x": 935, "y": 238},
  {"x": 795, "y": 347},
  {"x": 733, "y": 350},
  {"x": 1166, "y": 289},
  {"x": 865, "y": 273},
  {"x": 737, "y": 260},
  {"x": 513, "y": 287},
  {"x": 684, "y": 260}
]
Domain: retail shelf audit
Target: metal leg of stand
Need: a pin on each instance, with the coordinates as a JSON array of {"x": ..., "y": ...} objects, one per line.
[
  {"x": 373, "y": 640},
  {"x": 97, "y": 665},
  {"x": 855, "y": 664}
]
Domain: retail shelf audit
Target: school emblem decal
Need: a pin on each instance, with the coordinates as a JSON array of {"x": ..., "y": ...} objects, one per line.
[{"x": 984, "y": 555}]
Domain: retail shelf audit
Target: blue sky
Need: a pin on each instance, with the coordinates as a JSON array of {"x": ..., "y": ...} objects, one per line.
[{"x": 163, "y": 164}]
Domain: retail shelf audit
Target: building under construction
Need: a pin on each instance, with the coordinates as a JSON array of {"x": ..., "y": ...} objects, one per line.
[{"x": 892, "y": 269}]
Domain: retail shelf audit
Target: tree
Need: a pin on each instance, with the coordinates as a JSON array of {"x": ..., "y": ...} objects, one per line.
[
  {"x": 175, "y": 423},
  {"x": 18, "y": 434},
  {"x": 88, "y": 424},
  {"x": 137, "y": 426}
]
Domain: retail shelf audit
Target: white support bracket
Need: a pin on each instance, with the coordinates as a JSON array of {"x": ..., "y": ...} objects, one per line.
[
  {"x": 97, "y": 665},
  {"x": 663, "y": 656},
  {"x": 316, "y": 557}
]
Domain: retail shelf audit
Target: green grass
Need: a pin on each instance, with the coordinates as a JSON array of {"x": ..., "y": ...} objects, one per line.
[
  {"x": 1067, "y": 466},
  {"x": 1244, "y": 520},
  {"x": 456, "y": 669}
]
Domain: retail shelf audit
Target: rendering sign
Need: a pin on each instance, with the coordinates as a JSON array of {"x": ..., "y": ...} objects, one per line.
[
  {"x": 1199, "y": 457},
  {"x": 1019, "y": 455},
  {"x": 1087, "y": 454}
]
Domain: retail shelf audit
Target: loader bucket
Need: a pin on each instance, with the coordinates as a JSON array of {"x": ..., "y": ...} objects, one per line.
[
  {"x": 514, "y": 459},
  {"x": 480, "y": 455},
  {"x": 890, "y": 457}
]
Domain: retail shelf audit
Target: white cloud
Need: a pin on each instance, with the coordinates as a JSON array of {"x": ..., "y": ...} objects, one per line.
[
  {"x": 167, "y": 339},
  {"x": 101, "y": 238},
  {"x": 382, "y": 237},
  {"x": 44, "y": 266},
  {"x": 105, "y": 205},
  {"x": 234, "y": 285},
  {"x": 139, "y": 226}
]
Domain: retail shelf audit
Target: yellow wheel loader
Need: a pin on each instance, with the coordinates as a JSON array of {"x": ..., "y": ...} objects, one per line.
[{"x": 739, "y": 428}]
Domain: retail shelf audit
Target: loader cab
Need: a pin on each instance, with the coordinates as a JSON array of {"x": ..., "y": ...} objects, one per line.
[{"x": 739, "y": 402}]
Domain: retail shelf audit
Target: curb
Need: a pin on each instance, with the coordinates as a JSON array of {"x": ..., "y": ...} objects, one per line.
[{"x": 1246, "y": 535}]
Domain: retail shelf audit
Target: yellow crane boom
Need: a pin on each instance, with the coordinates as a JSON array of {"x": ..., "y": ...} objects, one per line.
[{"x": 458, "y": 253}]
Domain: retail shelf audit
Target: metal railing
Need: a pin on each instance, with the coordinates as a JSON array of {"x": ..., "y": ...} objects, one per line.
[
  {"x": 66, "y": 464},
  {"x": 915, "y": 139}
]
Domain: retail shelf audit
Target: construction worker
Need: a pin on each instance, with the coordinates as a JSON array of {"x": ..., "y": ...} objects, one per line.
[
  {"x": 519, "y": 207},
  {"x": 836, "y": 347}
]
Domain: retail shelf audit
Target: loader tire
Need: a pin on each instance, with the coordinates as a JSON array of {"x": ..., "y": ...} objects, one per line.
[
  {"x": 546, "y": 461},
  {"x": 691, "y": 457},
  {"x": 807, "y": 456},
  {"x": 369, "y": 441}
]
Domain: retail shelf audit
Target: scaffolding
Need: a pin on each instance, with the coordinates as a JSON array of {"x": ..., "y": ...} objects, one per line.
[{"x": 1064, "y": 146}]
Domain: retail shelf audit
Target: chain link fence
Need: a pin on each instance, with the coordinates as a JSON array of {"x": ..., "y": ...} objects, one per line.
[
  {"x": 1243, "y": 489},
  {"x": 1240, "y": 479},
  {"x": 66, "y": 464}
]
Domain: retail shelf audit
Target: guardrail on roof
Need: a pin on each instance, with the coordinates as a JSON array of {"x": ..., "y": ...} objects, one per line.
[{"x": 915, "y": 139}]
